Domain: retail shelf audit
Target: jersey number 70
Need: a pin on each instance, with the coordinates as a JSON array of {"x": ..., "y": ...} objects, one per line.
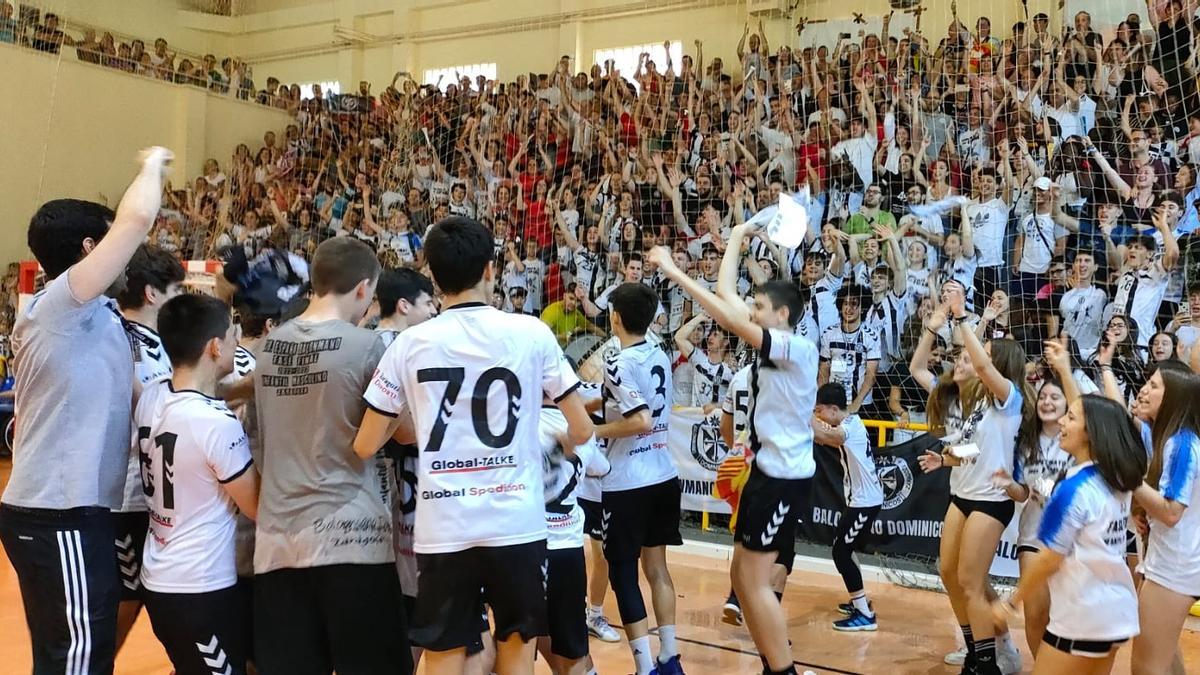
[{"x": 454, "y": 377}]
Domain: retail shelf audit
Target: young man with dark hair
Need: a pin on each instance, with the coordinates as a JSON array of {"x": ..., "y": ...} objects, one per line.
[
  {"x": 480, "y": 532},
  {"x": 324, "y": 600},
  {"x": 834, "y": 426},
  {"x": 71, "y": 352},
  {"x": 1142, "y": 279},
  {"x": 783, "y": 388},
  {"x": 153, "y": 277},
  {"x": 640, "y": 495},
  {"x": 197, "y": 474},
  {"x": 405, "y": 299},
  {"x": 850, "y": 351}
]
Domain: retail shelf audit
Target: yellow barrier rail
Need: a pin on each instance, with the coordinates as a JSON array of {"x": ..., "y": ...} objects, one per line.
[{"x": 883, "y": 428}]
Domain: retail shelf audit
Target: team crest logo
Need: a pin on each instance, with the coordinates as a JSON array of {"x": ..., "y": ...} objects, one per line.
[
  {"x": 896, "y": 478},
  {"x": 707, "y": 447}
]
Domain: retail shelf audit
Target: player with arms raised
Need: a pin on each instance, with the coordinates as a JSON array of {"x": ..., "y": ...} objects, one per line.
[
  {"x": 782, "y": 397},
  {"x": 472, "y": 379}
]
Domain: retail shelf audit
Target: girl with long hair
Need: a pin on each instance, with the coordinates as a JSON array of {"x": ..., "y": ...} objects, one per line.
[
  {"x": 1120, "y": 354},
  {"x": 1082, "y": 538},
  {"x": 982, "y": 408},
  {"x": 1170, "y": 566}
]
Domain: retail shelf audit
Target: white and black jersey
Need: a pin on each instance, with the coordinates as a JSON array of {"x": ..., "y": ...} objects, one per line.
[
  {"x": 1040, "y": 476},
  {"x": 783, "y": 393},
  {"x": 961, "y": 269},
  {"x": 638, "y": 378},
  {"x": 243, "y": 361},
  {"x": 562, "y": 476},
  {"x": 1082, "y": 311},
  {"x": 737, "y": 403},
  {"x": 473, "y": 379},
  {"x": 860, "y": 482},
  {"x": 1138, "y": 295},
  {"x": 711, "y": 379},
  {"x": 150, "y": 364},
  {"x": 822, "y": 302},
  {"x": 191, "y": 446},
  {"x": 887, "y": 317},
  {"x": 848, "y": 353},
  {"x": 590, "y": 271}
]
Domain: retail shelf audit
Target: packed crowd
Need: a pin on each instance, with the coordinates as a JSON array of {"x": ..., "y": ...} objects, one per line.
[{"x": 44, "y": 32}]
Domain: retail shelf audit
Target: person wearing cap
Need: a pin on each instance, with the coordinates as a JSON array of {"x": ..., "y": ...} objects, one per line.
[{"x": 1041, "y": 235}]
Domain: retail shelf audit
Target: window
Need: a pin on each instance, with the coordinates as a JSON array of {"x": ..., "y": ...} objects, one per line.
[
  {"x": 625, "y": 59},
  {"x": 327, "y": 88},
  {"x": 444, "y": 77}
]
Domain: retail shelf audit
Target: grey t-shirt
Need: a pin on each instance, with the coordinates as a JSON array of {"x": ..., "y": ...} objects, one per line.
[
  {"x": 320, "y": 504},
  {"x": 74, "y": 391}
]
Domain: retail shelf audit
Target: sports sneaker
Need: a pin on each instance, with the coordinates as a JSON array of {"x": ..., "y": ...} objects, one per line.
[
  {"x": 598, "y": 628},
  {"x": 671, "y": 666},
  {"x": 732, "y": 612},
  {"x": 1008, "y": 657},
  {"x": 956, "y": 658},
  {"x": 856, "y": 621},
  {"x": 847, "y": 608}
]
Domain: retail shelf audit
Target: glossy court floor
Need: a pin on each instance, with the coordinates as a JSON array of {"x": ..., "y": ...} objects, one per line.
[{"x": 916, "y": 628}]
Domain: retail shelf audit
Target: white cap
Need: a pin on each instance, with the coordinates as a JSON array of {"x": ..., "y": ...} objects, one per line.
[{"x": 1043, "y": 183}]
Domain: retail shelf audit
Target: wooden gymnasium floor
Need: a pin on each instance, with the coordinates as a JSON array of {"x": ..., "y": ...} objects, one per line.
[{"x": 916, "y": 629}]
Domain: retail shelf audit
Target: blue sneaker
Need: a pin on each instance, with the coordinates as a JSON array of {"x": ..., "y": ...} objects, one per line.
[
  {"x": 856, "y": 621},
  {"x": 671, "y": 666}
]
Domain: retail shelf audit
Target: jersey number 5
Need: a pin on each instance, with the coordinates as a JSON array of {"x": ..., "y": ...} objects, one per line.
[
  {"x": 166, "y": 443},
  {"x": 454, "y": 377}
]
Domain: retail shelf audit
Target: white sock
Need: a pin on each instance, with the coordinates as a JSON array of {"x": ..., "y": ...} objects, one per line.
[
  {"x": 666, "y": 643},
  {"x": 860, "y": 603},
  {"x": 595, "y": 610},
  {"x": 641, "y": 654}
]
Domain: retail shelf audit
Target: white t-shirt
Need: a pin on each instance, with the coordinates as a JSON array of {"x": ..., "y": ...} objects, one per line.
[
  {"x": 1082, "y": 310},
  {"x": 1138, "y": 295},
  {"x": 150, "y": 364},
  {"x": 989, "y": 222},
  {"x": 1039, "y": 476},
  {"x": 860, "y": 482},
  {"x": 993, "y": 429},
  {"x": 783, "y": 392},
  {"x": 1172, "y": 552},
  {"x": 1091, "y": 594},
  {"x": 861, "y": 154},
  {"x": 191, "y": 446},
  {"x": 561, "y": 476},
  {"x": 1040, "y": 232},
  {"x": 737, "y": 403},
  {"x": 638, "y": 377},
  {"x": 473, "y": 379}
]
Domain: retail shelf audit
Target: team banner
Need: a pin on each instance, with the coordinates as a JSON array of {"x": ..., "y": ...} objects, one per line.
[
  {"x": 915, "y": 503},
  {"x": 696, "y": 446}
]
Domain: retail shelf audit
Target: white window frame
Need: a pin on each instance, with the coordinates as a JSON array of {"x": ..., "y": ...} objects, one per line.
[
  {"x": 451, "y": 74},
  {"x": 625, "y": 59}
]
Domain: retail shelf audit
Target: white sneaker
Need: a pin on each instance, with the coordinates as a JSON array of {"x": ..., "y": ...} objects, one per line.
[
  {"x": 1008, "y": 657},
  {"x": 598, "y": 628},
  {"x": 956, "y": 658}
]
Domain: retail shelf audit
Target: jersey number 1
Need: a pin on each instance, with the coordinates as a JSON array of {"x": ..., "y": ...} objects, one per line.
[{"x": 453, "y": 377}]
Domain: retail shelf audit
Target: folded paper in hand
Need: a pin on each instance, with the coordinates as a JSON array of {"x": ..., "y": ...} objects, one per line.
[{"x": 785, "y": 223}]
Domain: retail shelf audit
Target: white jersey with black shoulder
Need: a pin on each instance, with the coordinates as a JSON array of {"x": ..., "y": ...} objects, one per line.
[
  {"x": 192, "y": 446},
  {"x": 473, "y": 379},
  {"x": 150, "y": 364},
  {"x": 783, "y": 393},
  {"x": 561, "y": 477},
  {"x": 638, "y": 378},
  {"x": 711, "y": 379},
  {"x": 860, "y": 482},
  {"x": 848, "y": 354}
]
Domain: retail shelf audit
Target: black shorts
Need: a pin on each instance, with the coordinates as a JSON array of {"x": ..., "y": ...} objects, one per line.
[
  {"x": 203, "y": 633},
  {"x": 1001, "y": 511},
  {"x": 768, "y": 513},
  {"x": 644, "y": 517},
  {"x": 130, "y": 537},
  {"x": 566, "y": 610},
  {"x": 452, "y": 587},
  {"x": 591, "y": 518},
  {"x": 1096, "y": 649},
  {"x": 344, "y": 618}
]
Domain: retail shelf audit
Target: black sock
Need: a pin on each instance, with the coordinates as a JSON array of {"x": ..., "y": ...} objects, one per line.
[
  {"x": 985, "y": 657},
  {"x": 790, "y": 670}
]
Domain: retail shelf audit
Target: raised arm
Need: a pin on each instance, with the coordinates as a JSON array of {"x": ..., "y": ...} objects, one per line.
[
  {"x": 683, "y": 336},
  {"x": 734, "y": 317},
  {"x": 991, "y": 377},
  {"x": 919, "y": 365}
]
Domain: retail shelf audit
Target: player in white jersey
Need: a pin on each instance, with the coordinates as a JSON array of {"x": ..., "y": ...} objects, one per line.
[
  {"x": 197, "y": 474},
  {"x": 712, "y": 373},
  {"x": 783, "y": 392},
  {"x": 1169, "y": 496},
  {"x": 152, "y": 277},
  {"x": 470, "y": 383},
  {"x": 850, "y": 350},
  {"x": 1082, "y": 307},
  {"x": 1143, "y": 276},
  {"x": 640, "y": 495},
  {"x": 566, "y": 648},
  {"x": 1093, "y": 605},
  {"x": 833, "y": 426}
]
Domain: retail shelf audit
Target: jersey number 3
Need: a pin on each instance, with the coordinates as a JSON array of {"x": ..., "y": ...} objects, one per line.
[{"x": 454, "y": 377}]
